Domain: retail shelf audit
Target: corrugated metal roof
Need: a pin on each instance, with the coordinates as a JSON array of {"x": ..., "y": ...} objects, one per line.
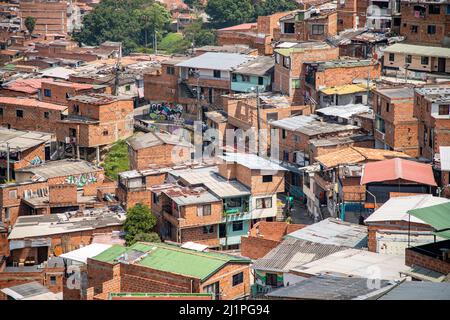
[
  {"x": 353, "y": 155},
  {"x": 218, "y": 185},
  {"x": 345, "y": 89},
  {"x": 333, "y": 231},
  {"x": 438, "y": 216},
  {"x": 89, "y": 251},
  {"x": 344, "y": 111},
  {"x": 292, "y": 253},
  {"x": 329, "y": 288},
  {"x": 252, "y": 161},
  {"x": 171, "y": 258},
  {"x": 310, "y": 125},
  {"x": 216, "y": 61},
  {"x": 152, "y": 139},
  {"x": 357, "y": 263},
  {"x": 397, "y": 208},
  {"x": 419, "y": 290},
  {"x": 397, "y": 168},
  {"x": 418, "y": 50}
]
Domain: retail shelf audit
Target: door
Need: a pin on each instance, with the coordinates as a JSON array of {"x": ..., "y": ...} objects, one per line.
[
  {"x": 222, "y": 230},
  {"x": 214, "y": 289},
  {"x": 441, "y": 64}
]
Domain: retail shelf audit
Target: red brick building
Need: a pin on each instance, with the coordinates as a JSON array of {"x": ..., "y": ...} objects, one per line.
[
  {"x": 396, "y": 128},
  {"x": 264, "y": 236},
  {"x": 94, "y": 121},
  {"x": 30, "y": 114},
  {"x": 307, "y": 25},
  {"x": 290, "y": 68},
  {"x": 424, "y": 21},
  {"x": 157, "y": 149},
  {"x": 161, "y": 268}
]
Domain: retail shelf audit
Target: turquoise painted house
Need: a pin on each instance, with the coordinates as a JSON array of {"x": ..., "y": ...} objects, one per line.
[{"x": 257, "y": 72}]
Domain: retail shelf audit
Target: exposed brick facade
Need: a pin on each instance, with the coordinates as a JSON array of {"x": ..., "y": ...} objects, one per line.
[
  {"x": 415, "y": 27},
  {"x": 30, "y": 114}
]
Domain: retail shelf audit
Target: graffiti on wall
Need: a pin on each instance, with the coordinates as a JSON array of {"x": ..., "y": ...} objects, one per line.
[
  {"x": 82, "y": 180},
  {"x": 165, "y": 111},
  {"x": 36, "y": 160}
]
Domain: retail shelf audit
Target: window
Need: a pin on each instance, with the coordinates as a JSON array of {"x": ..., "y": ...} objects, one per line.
[
  {"x": 285, "y": 156},
  {"x": 53, "y": 280},
  {"x": 238, "y": 278},
  {"x": 434, "y": 9},
  {"x": 414, "y": 29},
  {"x": 233, "y": 202},
  {"x": 13, "y": 194},
  {"x": 408, "y": 58},
  {"x": 245, "y": 78},
  {"x": 234, "y": 77},
  {"x": 217, "y": 74},
  {"x": 76, "y": 108},
  {"x": 19, "y": 113},
  {"x": 391, "y": 56},
  {"x": 263, "y": 203},
  {"x": 213, "y": 289},
  {"x": 204, "y": 210},
  {"x": 170, "y": 70},
  {"x": 46, "y": 115},
  {"x": 278, "y": 58},
  {"x": 105, "y": 132},
  {"x": 272, "y": 116},
  {"x": 271, "y": 279},
  {"x": 431, "y": 29},
  {"x": 424, "y": 60},
  {"x": 1, "y": 112},
  {"x": 260, "y": 81},
  {"x": 283, "y": 133},
  {"x": 7, "y": 214},
  {"x": 287, "y": 62},
  {"x": 267, "y": 178},
  {"x": 208, "y": 229},
  {"x": 155, "y": 198},
  {"x": 387, "y": 107},
  {"x": 296, "y": 138},
  {"x": 127, "y": 87},
  {"x": 295, "y": 83},
  {"x": 358, "y": 99},
  {"x": 237, "y": 226},
  {"x": 317, "y": 29},
  {"x": 47, "y": 93},
  {"x": 444, "y": 110},
  {"x": 289, "y": 27}
]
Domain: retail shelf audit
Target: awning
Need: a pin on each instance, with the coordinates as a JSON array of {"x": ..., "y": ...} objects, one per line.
[{"x": 437, "y": 216}]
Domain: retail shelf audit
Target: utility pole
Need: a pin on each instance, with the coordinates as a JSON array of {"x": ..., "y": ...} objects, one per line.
[
  {"x": 7, "y": 163},
  {"x": 368, "y": 87},
  {"x": 117, "y": 72},
  {"x": 156, "y": 42},
  {"x": 259, "y": 120}
]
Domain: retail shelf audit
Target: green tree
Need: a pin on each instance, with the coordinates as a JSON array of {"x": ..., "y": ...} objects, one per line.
[
  {"x": 198, "y": 35},
  {"x": 30, "y": 24},
  {"x": 268, "y": 7},
  {"x": 154, "y": 19},
  {"x": 224, "y": 13},
  {"x": 140, "y": 220},
  {"x": 147, "y": 237},
  {"x": 116, "y": 160},
  {"x": 126, "y": 21}
]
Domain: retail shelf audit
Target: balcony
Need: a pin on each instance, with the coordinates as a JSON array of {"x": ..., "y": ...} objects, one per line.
[
  {"x": 173, "y": 217},
  {"x": 235, "y": 214}
]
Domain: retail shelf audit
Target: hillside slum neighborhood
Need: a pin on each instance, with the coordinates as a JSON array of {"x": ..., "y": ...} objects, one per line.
[{"x": 353, "y": 204}]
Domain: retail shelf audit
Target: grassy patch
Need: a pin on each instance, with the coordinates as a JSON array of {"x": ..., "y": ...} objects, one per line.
[{"x": 116, "y": 160}]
